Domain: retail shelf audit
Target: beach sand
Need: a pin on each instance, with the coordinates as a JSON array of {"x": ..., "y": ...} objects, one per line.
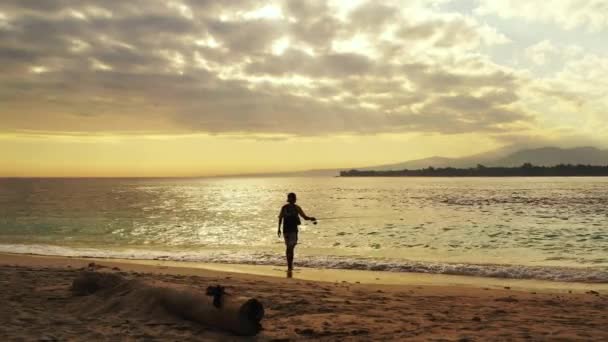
[{"x": 37, "y": 305}]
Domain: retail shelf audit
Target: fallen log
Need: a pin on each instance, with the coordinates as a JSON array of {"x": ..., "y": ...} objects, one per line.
[
  {"x": 237, "y": 314},
  {"x": 219, "y": 310}
]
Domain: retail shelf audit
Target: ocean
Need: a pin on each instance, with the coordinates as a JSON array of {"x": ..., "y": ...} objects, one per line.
[{"x": 523, "y": 228}]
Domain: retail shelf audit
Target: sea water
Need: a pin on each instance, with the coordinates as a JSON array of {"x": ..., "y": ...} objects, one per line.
[{"x": 527, "y": 228}]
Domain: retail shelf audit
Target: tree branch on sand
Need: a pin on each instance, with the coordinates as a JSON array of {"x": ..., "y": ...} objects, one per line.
[{"x": 214, "y": 309}]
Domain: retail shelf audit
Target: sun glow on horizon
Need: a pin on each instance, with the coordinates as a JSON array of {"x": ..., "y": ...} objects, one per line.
[{"x": 192, "y": 155}]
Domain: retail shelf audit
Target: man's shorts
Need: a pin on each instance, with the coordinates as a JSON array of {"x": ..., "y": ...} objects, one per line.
[{"x": 291, "y": 238}]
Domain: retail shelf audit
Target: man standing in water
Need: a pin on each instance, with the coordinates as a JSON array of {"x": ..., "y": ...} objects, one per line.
[{"x": 290, "y": 218}]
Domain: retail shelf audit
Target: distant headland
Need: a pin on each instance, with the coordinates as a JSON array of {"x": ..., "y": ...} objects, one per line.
[
  {"x": 526, "y": 170},
  {"x": 503, "y": 162}
]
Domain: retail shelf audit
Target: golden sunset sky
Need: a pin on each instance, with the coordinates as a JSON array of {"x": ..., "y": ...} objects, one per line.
[{"x": 195, "y": 88}]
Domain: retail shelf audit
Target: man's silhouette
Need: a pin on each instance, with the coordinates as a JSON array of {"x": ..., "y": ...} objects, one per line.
[{"x": 290, "y": 218}]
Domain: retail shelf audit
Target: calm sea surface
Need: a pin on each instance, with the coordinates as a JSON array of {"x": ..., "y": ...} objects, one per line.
[{"x": 539, "y": 228}]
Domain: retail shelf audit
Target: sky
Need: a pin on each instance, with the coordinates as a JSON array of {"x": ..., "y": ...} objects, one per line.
[{"x": 197, "y": 88}]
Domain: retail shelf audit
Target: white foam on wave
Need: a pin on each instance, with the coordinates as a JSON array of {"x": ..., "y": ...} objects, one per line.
[{"x": 552, "y": 273}]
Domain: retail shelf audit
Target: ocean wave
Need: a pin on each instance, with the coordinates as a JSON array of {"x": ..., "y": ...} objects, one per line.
[{"x": 551, "y": 273}]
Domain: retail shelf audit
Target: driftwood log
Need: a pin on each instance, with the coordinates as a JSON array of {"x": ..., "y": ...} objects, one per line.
[{"x": 238, "y": 315}]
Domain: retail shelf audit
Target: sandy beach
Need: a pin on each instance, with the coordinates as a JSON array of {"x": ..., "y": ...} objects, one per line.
[{"x": 38, "y": 305}]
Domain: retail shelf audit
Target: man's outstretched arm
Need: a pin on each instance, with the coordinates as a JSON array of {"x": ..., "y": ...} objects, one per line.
[{"x": 307, "y": 218}]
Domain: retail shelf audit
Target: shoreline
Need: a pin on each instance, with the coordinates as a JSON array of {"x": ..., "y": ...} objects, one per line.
[
  {"x": 552, "y": 273},
  {"x": 315, "y": 305},
  {"x": 329, "y": 275}
]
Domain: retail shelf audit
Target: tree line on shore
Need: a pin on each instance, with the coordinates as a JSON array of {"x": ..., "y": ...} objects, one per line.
[{"x": 526, "y": 170}]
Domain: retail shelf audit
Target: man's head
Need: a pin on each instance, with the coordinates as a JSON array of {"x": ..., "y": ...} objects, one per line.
[{"x": 291, "y": 197}]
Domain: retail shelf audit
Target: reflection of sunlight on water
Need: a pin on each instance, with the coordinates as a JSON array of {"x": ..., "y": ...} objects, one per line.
[{"x": 541, "y": 222}]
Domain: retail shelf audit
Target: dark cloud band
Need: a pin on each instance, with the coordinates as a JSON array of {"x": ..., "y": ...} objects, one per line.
[{"x": 205, "y": 66}]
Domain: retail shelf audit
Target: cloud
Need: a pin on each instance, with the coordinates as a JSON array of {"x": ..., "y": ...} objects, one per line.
[
  {"x": 373, "y": 16},
  {"x": 539, "y": 52},
  {"x": 207, "y": 66},
  {"x": 247, "y": 36},
  {"x": 567, "y": 14},
  {"x": 300, "y": 63}
]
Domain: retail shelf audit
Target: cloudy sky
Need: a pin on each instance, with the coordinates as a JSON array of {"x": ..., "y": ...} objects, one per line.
[{"x": 188, "y": 87}]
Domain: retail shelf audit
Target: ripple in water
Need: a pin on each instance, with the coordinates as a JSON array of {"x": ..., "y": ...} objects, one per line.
[{"x": 524, "y": 227}]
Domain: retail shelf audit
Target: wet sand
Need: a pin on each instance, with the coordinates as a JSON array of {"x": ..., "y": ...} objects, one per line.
[{"x": 38, "y": 305}]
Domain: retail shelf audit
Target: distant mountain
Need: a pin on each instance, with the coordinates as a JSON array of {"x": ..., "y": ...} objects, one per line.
[
  {"x": 509, "y": 157},
  {"x": 546, "y": 156},
  {"x": 550, "y": 156},
  {"x": 464, "y": 162},
  {"x": 415, "y": 164}
]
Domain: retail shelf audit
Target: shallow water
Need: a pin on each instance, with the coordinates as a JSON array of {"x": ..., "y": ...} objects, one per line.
[{"x": 543, "y": 228}]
